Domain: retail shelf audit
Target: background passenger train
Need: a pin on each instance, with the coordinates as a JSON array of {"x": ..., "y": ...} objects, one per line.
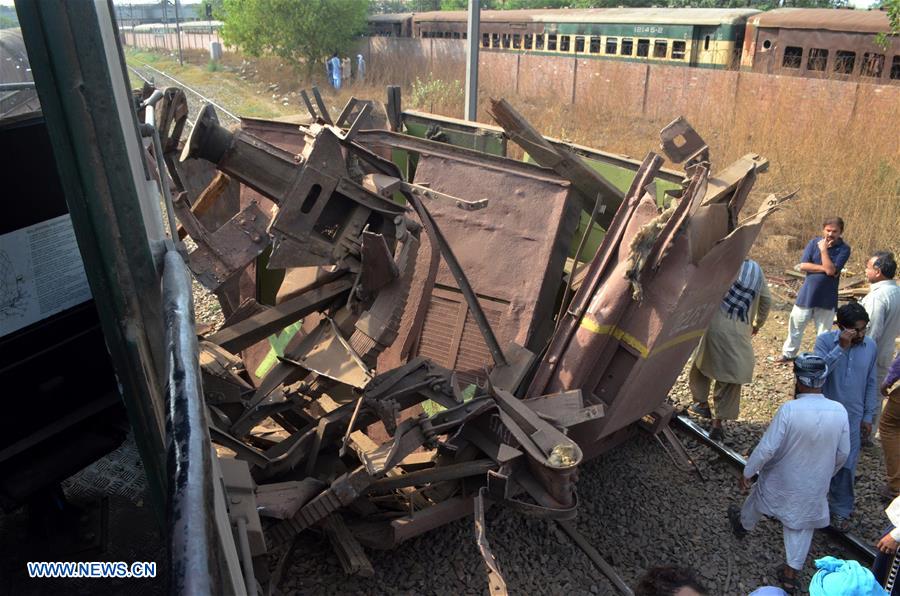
[
  {"x": 703, "y": 37},
  {"x": 821, "y": 42}
]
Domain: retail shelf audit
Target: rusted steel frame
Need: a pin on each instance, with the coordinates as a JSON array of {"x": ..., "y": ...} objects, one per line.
[
  {"x": 394, "y": 140},
  {"x": 598, "y": 266},
  {"x": 260, "y": 326},
  {"x": 191, "y": 523},
  {"x": 438, "y": 240},
  {"x": 308, "y": 104},
  {"x": 564, "y": 162},
  {"x": 244, "y": 451},
  {"x": 349, "y": 552},
  {"x": 323, "y": 110},
  {"x": 687, "y": 205},
  {"x": 343, "y": 491},
  {"x": 357, "y": 122},
  {"x": 496, "y": 583},
  {"x": 563, "y": 305},
  {"x": 580, "y": 150},
  {"x": 594, "y": 555},
  {"x": 434, "y": 474}
]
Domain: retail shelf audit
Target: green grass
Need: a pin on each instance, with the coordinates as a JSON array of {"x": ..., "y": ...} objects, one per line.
[{"x": 224, "y": 87}]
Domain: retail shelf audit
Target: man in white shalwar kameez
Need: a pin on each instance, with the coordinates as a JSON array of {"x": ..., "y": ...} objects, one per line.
[{"x": 806, "y": 443}]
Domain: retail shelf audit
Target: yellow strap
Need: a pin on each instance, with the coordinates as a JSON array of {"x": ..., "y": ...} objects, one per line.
[{"x": 625, "y": 337}]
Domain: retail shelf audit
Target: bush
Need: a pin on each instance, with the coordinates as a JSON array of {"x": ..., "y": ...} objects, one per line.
[{"x": 436, "y": 94}]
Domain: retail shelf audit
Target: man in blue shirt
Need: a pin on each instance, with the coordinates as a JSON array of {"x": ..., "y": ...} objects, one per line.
[
  {"x": 822, "y": 262},
  {"x": 850, "y": 356}
]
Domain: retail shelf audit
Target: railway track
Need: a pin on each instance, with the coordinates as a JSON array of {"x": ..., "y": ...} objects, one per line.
[
  {"x": 848, "y": 540},
  {"x": 220, "y": 109}
]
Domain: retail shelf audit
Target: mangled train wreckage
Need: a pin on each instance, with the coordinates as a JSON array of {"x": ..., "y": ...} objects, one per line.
[{"x": 415, "y": 330}]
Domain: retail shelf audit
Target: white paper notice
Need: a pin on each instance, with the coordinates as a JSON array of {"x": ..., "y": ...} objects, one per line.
[{"x": 41, "y": 273}]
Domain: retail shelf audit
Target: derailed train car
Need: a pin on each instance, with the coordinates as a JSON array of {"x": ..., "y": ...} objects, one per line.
[{"x": 428, "y": 346}]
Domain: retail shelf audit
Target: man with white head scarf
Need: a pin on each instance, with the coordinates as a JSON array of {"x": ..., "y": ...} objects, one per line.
[
  {"x": 806, "y": 443},
  {"x": 360, "y": 67}
]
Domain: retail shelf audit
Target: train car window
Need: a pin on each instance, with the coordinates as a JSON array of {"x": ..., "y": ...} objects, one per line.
[
  {"x": 627, "y": 47},
  {"x": 612, "y": 44},
  {"x": 529, "y": 41},
  {"x": 872, "y": 65},
  {"x": 564, "y": 43},
  {"x": 551, "y": 42},
  {"x": 517, "y": 41},
  {"x": 485, "y": 40},
  {"x": 793, "y": 56},
  {"x": 660, "y": 49},
  {"x": 844, "y": 62},
  {"x": 495, "y": 40},
  {"x": 706, "y": 43},
  {"x": 817, "y": 59},
  {"x": 895, "y": 68},
  {"x": 595, "y": 44},
  {"x": 767, "y": 44},
  {"x": 539, "y": 42},
  {"x": 579, "y": 44},
  {"x": 643, "y": 48},
  {"x": 456, "y": 35},
  {"x": 465, "y": 35},
  {"x": 506, "y": 38},
  {"x": 678, "y": 50}
]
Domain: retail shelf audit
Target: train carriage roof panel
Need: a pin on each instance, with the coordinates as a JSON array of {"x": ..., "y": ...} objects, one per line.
[
  {"x": 830, "y": 19},
  {"x": 649, "y": 16},
  {"x": 389, "y": 18}
]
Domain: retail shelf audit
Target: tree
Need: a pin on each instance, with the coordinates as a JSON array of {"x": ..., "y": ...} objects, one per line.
[
  {"x": 893, "y": 11},
  {"x": 300, "y": 32}
]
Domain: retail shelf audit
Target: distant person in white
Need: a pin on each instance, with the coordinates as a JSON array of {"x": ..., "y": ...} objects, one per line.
[
  {"x": 806, "y": 443},
  {"x": 360, "y": 67},
  {"x": 882, "y": 303}
]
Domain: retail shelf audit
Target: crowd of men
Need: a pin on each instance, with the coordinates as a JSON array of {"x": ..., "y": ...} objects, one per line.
[
  {"x": 340, "y": 70},
  {"x": 803, "y": 470}
]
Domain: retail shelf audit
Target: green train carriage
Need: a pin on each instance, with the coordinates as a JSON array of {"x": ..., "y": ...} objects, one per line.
[{"x": 701, "y": 37}]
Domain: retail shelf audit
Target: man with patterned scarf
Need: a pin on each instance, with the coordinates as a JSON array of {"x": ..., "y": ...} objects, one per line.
[{"x": 725, "y": 353}]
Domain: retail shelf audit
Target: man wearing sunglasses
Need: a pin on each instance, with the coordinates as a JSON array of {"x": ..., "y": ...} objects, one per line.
[{"x": 851, "y": 381}]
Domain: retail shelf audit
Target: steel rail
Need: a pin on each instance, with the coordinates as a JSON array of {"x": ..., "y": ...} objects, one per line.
[
  {"x": 191, "y": 89},
  {"x": 690, "y": 427}
]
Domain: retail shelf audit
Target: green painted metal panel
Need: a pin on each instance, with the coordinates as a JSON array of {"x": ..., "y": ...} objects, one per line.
[{"x": 619, "y": 30}]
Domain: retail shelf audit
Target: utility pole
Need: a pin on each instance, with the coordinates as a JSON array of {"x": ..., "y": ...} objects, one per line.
[
  {"x": 473, "y": 43},
  {"x": 178, "y": 33}
]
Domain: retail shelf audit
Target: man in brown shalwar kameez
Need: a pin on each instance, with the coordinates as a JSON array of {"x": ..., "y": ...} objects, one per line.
[{"x": 725, "y": 353}]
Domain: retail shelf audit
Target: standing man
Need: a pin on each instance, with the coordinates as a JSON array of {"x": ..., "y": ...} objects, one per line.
[
  {"x": 883, "y": 305},
  {"x": 822, "y": 261},
  {"x": 345, "y": 68},
  {"x": 850, "y": 356},
  {"x": 725, "y": 353},
  {"x": 807, "y": 441},
  {"x": 335, "y": 70},
  {"x": 890, "y": 428},
  {"x": 360, "y": 68}
]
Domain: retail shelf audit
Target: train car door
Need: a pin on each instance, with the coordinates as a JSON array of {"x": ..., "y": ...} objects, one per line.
[{"x": 703, "y": 52}]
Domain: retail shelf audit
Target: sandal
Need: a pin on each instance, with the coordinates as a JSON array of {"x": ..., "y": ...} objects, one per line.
[
  {"x": 701, "y": 410},
  {"x": 717, "y": 433},
  {"x": 788, "y": 584},
  {"x": 840, "y": 524},
  {"x": 734, "y": 517}
]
